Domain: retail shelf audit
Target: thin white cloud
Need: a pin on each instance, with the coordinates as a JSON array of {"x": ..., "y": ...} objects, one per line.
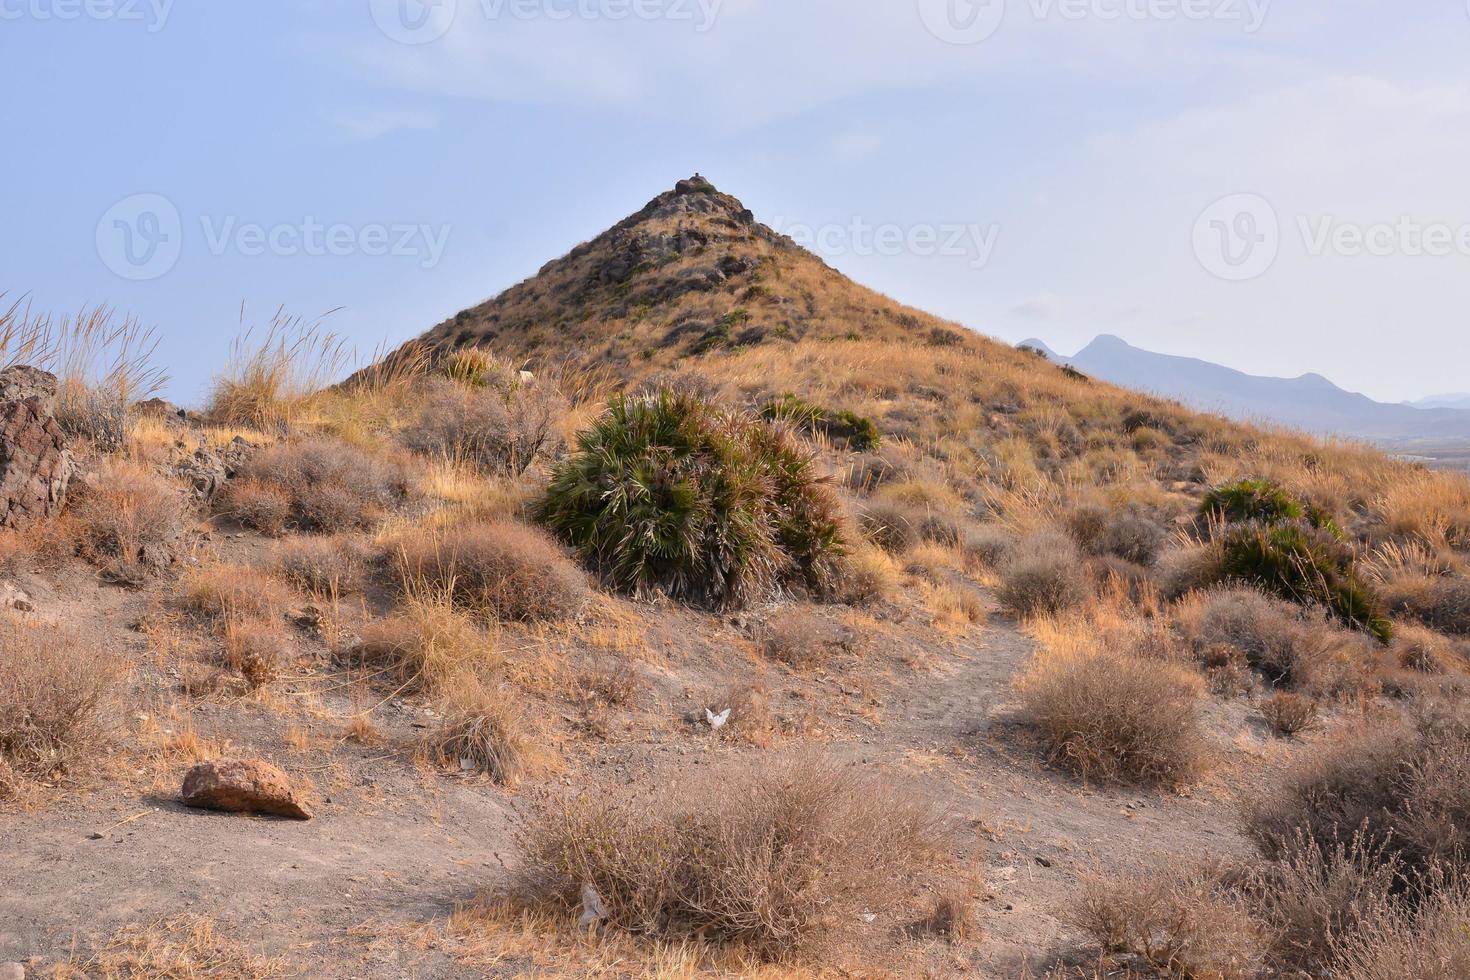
[{"x": 371, "y": 124}]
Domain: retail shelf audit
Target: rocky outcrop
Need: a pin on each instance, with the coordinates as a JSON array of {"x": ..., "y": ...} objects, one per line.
[
  {"x": 243, "y": 786},
  {"x": 36, "y": 467}
]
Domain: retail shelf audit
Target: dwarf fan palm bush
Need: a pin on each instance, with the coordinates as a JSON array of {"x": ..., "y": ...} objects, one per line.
[{"x": 669, "y": 492}]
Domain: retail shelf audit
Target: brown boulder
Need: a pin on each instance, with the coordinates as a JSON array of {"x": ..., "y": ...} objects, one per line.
[
  {"x": 242, "y": 786},
  {"x": 22, "y": 381},
  {"x": 35, "y": 465}
]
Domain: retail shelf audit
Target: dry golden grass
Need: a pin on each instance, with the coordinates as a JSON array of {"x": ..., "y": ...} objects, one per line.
[
  {"x": 225, "y": 594},
  {"x": 484, "y": 731},
  {"x": 183, "y": 947},
  {"x": 128, "y": 521},
  {"x": 316, "y": 484},
  {"x": 428, "y": 644},
  {"x": 273, "y": 379}
]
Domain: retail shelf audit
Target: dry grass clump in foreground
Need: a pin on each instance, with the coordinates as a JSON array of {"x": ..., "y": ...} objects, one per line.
[
  {"x": 800, "y": 636},
  {"x": 1181, "y": 920},
  {"x": 314, "y": 484},
  {"x": 1431, "y": 942},
  {"x": 780, "y": 858},
  {"x": 327, "y": 568},
  {"x": 184, "y": 947},
  {"x": 1405, "y": 790},
  {"x": 494, "y": 419},
  {"x": 1043, "y": 574},
  {"x": 54, "y": 686},
  {"x": 501, "y": 570},
  {"x": 1114, "y": 708}
]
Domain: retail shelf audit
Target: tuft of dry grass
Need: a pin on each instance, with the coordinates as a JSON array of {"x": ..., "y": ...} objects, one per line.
[
  {"x": 231, "y": 594},
  {"x": 54, "y": 688},
  {"x": 326, "y": 568},
  {"x": 483, "y": 731},
  {"x": 272, "y": 379},
  {"x": 1289, "y": 714},
  {"x": 800, "y": 636},
  {"x": 429, "y": 644},
  {"x": 1430, "y": 942},
  {"x": 500, "y": 570},
  {"x": 779, "y": 859},
  {"x": 183, "y": 947}
]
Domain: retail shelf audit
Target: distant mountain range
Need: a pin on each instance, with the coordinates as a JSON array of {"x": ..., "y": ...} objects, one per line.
[{"x": 1310, "y": 402}]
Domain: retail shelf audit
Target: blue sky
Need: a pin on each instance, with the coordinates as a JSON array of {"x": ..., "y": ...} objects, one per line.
[{"x": 1279, "y": 187}]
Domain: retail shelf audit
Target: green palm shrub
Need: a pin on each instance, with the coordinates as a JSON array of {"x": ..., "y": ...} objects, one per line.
[
  {"x": 860, "y": 432},
  {"x": 669, "y": 492},
  {"x": 1264, "y": 501},
  {"x": 1303, "y": 564}
]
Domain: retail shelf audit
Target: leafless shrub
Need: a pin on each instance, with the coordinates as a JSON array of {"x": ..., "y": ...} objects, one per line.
[
  {"x": 53, "y": 687},
  {"x": 1289, "y": 714},
  {"x": 500, "y": 570},
  {"x": 329, "y": 486},
  {"x": 1126, "y": 533},
  {"x": 1427, "y": 942},
  {"x": 1310, "y": 899},
  {"x": 778, "y": 858},
  {"x": 1181, "y": 920},
  {"x": 1116, "y": 716},
  {"x": 257, "y": 650},
  {"x": 502, "y": 424},
  {"x": 987, "y": 545},
  {"x": 892, "y": 525},
  {"x": 802, "y": 637},
  {"x": 1043, "y": 574},
  {"x": 1404, "y": 790},
  {"x": 324, "y": 567},
  {"x": 127, "y": 521}
]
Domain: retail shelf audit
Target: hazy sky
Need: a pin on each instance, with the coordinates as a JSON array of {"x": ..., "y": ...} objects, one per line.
[{"x": 1277, "y": 186}]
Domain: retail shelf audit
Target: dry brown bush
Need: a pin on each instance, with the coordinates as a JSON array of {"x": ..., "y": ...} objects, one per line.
[
  {"x": 501, "y": 570},
  {"x": 892, "y": 525},
  {"x": 1116, "y": 716},
  {"x": 1310, "y": 899},
  {"x": 324, "y": 567},
  {"x": 780, "y": 858},
  {"x": 1289, "y": 714},
  {"x": 503, "y": 424},
  {"x": 1430, "y": 942},
  {"x": 1128, "y": 533},
  {"x": 866, "y": 576},
  {"x": 127, "y": 521},
  {"x": 951, "y": 917},
  {"x": 327, "y": 484},
  {"x": 257, "y": 650},
  {"x": 483, "y": 731},
  {"x": 1422, "y": 650},
  {"x": 987, "y": 545},
  {"x": 1404, "y": 790},
  {"x": 802, "y": 637},
  {"x": 1043, "y": 575},
  {"x": 1182, "y": 920},
  {"x": 54, "y": 686}
]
